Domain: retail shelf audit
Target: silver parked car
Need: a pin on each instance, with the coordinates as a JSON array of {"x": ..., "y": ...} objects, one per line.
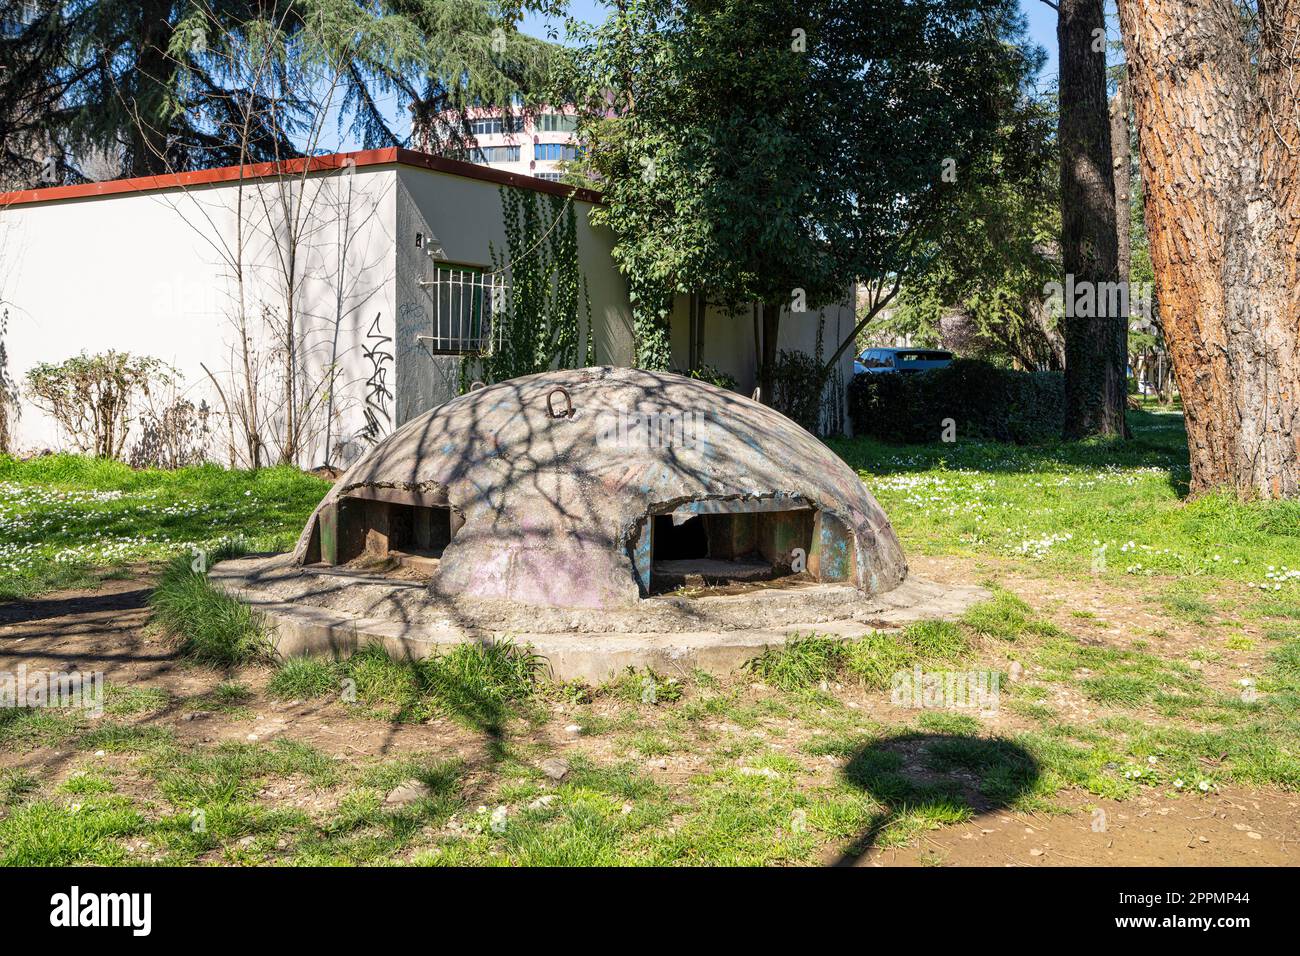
[{"x": 877, "y": 361}]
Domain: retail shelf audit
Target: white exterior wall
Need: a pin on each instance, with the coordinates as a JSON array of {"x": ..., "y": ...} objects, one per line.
[
  {"x": 729, "y": 338},
  {"x": 465, "y": 218},
  {"x": 153, "y": 273}
]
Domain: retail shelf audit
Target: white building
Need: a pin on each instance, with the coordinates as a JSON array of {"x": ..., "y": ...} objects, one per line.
[
  {"x": 389, "y": 261},
  {"x": 527, "y": 144}
]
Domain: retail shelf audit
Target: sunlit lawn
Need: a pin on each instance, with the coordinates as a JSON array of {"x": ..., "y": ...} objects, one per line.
[
  {"x": 66, "y": 520},
  {"x": 1070, "y": 508},
  {"x": 778, "y": 764}
]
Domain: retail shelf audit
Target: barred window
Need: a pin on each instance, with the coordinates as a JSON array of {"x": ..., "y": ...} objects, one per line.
[{"x": 464, "y": 300}]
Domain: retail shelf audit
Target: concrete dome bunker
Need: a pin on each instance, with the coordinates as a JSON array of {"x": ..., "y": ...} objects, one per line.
[{"x": 600, "y": 488}]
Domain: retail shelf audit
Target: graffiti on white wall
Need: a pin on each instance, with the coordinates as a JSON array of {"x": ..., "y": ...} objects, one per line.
[{"x": 378, "y": 393}]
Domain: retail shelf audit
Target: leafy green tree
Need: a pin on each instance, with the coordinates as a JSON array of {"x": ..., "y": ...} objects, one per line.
[
  {"x": 163, "y": 85},
  {"x": 989, "y": 261},
  {"x": 773, "y": 152}
]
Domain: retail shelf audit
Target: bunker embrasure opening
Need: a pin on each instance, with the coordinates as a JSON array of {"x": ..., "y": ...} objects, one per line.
[
  {"x": 385, "y": 526},
  {"x": 733, "y": 542}
]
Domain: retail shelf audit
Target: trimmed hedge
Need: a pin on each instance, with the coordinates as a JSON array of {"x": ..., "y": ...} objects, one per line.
[{"x": 986, "y": 402}]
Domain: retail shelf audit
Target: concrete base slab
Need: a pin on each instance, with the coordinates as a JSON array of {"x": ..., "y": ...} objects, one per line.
[
  {"x": 703, "y": 572},
  {"x": 301, "y": 629}
]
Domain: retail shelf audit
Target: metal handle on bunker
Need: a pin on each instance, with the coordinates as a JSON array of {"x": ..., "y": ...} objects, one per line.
[{"x": 550, "y": 404}]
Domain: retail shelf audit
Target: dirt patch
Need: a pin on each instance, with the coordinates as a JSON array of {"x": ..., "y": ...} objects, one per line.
[
  {"x": 89, "y": 630},
  {"x": 1229, "y": 828}
]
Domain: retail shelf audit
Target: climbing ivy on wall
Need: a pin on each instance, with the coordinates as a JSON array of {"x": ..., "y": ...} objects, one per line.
[
  {"x": 546, "y": 306},
  {"x": 651, "y": 307}
]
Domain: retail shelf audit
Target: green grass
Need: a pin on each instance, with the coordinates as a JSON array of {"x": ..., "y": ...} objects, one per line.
[
  {"x": 15, "y": 785},
  {"x": 643, "y": 686},
  {"x": 945, "y": 722},
  {"x": 210, "y": 626},
  {"x": 27, "y": 728},
  {"x": 800, "y": 662},
  {"x": 936, "y": 641},
  {"x": 1054, "y": 506},
  {"x": 1183, "y": 602},
  {"x": 232, "y": 772},
  {"x": 873, "y": 659},
  {"x": 128, "y": 701},
  {"x": 304, "y": 678},
  {"x": 1005, "y": 618},
  {"x": 48, "y": 833},
  {"x": 68, "y": 521},
  {"x": 86, "y": 784},
  {"x": 479, "y": 685},
  {"x": 123, "y": 738},
  {"x": 1114, "y": 674},
  {"x": 32, "y": 726},
  {"x": 365, "y": 831}
]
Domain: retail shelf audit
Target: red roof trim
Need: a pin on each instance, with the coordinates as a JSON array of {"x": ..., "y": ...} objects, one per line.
[
  {"x": 227, "y": 174},
  {"x": 409, "y": 157}
]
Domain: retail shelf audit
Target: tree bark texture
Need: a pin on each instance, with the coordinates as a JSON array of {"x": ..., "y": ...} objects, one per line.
[
  {"x": 1095, "y": 383},
  {"x": 1219, "y": 146},
  {"x": 1121, "y": 163}
]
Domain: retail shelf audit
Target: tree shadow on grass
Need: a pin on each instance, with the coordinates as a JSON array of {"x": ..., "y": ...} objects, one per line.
[
  {"x": 935, "y": 778},
  {"x": 483, "y": 686}
]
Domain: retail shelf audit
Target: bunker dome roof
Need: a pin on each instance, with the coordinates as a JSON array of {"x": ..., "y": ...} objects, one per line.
[{"x": 552, "y": 478}]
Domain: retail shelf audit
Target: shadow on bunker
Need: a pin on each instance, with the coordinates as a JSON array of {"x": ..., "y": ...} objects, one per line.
[{"x": 610, "y": 517}]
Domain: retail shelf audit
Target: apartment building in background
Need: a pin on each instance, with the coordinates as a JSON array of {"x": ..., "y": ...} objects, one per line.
[{"x": 527, "y": 145}]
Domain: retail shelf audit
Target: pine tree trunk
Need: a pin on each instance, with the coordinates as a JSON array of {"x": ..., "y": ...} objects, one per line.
[
  {"x": 1219, "y": 143},
  {"x": 147, "y": 144},
  {"x": 1095, "y": 387},
  {"x": 1121, "y": 163}
]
